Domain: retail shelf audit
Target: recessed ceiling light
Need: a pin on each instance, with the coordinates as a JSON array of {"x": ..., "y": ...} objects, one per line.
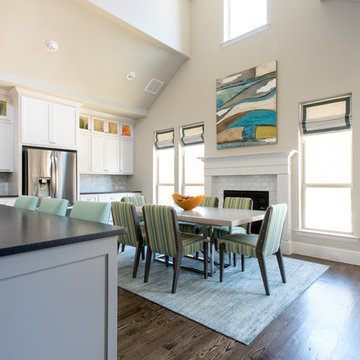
[
  {"x": 51, "y": 45},
  {"x": 131, "y": 75}
]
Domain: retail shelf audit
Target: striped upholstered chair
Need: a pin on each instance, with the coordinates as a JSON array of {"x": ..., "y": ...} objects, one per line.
[
  {"x": 209, "y": 201},
  {"x": 164, "y": 237},
  {"x": 221, "y": 231},
  {"x": 54, "y": 206},
  {"x": 260, "y": 246},
  {"x": 91, "y": 211},
  {"x": 124, "y": 214},
  {"x": 26, "y": 202}
]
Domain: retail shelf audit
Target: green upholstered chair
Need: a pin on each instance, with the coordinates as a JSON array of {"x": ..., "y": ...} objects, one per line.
[
  {"x": 209, "y": 201},
  {"x": 164, "y": 237},
  {"x": 91, "y": 211},
  {"x": 124, "y": 214},
  {"x": 54, "y": 206},
  {"x": 26, "y": 202},
  {"x": 260, "y": 246},
  {"x": 136, "y": 200}
]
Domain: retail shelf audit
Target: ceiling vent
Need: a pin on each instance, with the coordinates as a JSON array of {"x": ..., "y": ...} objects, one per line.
[{"x": 154, "y": 86}]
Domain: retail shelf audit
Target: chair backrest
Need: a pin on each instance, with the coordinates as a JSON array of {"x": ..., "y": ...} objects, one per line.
[
  {"x": 124, "y": 214},
  {"x": 272, "y": 228},
  {"x": 91, "y": 211},
  {"x": 54, "y": 206},
  {"x": 239, "y": 203},
  {"x": 26, "y": 202},
  {"x": 136, "y": 200},
  {"x": 210, "y": 201},
  {"x": 162, "y": 229}
]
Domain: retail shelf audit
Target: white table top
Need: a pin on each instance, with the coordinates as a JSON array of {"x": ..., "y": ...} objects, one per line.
[{"x": 216, "y": 216}]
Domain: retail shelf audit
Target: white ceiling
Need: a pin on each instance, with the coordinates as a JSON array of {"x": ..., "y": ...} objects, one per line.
[{"x": 95, "y": 54}]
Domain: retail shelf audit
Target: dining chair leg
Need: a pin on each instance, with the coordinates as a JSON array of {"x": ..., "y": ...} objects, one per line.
[
  {"x": 122, "y": 247},
  {"x": 281, "y": 265},
  {"x": 118, "y": 246},
  {"x": 197, "y": 255},
  {"x": 147, "y": 265},
  {"x": 234, "y": 259},
  {"x": 176, "y": 274},
  {"x": 261, "y": 261},
  {"x": 205, "y": 259},
  {"x": 222, "y": 250},
  {"x": 143, "y": 252},
  {"x": 242, "y": 262},
  {"x": 139, "y": 246},
  {"x": 167, "y": 260},
  {"x": 229, "y": 259}
]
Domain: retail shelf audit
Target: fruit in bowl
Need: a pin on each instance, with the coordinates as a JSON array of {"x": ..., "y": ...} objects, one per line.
[{"x": 188, "y": 202}]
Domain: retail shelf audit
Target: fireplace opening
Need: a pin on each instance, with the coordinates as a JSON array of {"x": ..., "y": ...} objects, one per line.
[{"x": 260, "y": 202}]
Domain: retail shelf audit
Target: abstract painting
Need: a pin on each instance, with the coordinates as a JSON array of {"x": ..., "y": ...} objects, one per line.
[{"x": 246, "y": 107}]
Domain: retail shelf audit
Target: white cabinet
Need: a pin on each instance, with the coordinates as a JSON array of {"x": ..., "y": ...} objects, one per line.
[
  {"x": 84, "y": 153},
  {"x": 9, "y": 201},
  {"x": 97, "y": 155},
  {"x": 48, "y": 124},
  {"x": 126, "y": 156},
  {"x": 6, "y": 149},
  {"x": 112, "y": 155},
  {"x": 88, "y": 197}
]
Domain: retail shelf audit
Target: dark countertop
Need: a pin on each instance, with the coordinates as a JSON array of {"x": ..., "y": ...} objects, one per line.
[
  {"x": 8, "y": 196},
  {"x": 109, "y": 192},
  {"x": 25, "y": 230}
]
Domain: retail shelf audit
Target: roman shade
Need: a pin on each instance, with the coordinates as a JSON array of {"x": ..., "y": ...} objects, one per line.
[
  {"x": 326, "y": 115},
  {"x": 164, "y": 139},
  {"x": 192, "y": 134}
]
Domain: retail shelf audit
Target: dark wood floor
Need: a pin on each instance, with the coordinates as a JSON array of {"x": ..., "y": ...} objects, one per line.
[{"x": 323, "y": 324}]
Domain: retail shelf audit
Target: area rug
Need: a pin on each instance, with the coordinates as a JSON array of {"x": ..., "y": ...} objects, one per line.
[{"x": 238, "y": 307}]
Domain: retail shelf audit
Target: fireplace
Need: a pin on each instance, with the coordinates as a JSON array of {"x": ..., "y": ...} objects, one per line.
[{"x": 260, "y": 202}]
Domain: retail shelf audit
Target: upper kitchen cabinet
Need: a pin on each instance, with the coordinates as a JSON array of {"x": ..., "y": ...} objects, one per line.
[
  {"x": 48, "y": 124},
  {"x": 6, "y": 136}
]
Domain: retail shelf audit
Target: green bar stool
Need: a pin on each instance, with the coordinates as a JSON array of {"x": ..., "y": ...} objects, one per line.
[
  {"x": 91, "y": 211},
  {"x": 54, "y": 206},
  {"x": 26, "y": 202}
]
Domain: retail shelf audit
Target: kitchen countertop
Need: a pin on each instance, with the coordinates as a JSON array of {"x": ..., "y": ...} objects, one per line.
[
  {"x": 8, "y": 196},
  {"x": 25, "y": 230}
]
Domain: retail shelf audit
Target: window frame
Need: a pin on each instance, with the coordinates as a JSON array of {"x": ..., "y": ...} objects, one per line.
[
  {"x": 157, "y": 179},
  {"x": 304, "y": 185},
  {"x": 227, "y": 25}
]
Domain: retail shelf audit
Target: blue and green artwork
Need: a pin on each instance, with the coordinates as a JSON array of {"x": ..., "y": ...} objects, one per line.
[{"x": 246, "y": 107}]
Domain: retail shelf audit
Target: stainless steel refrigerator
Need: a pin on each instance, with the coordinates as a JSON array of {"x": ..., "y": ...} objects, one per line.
[{"x": 50, "y": 173}]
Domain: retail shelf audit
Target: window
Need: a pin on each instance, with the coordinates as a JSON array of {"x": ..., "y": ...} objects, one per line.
[
  {"x": 192, "y": 141},
  {"x": 327, "y": 166},
  {"x": 164, "y": 166},
  {"x": 242, "y": 17}
]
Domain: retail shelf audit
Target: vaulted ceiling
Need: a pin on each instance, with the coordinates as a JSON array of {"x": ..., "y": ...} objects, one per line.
[{"x": 96, "y": 52}]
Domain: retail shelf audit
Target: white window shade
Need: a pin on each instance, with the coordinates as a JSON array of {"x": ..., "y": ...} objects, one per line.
[
  {"x": 164, "y": 139},
  {"x": 192, "y": 134},
  {"x": 328, "y": 115}
]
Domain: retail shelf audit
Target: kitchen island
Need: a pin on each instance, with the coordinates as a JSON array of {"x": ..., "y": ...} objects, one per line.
[{"x": 58, "y": 287}]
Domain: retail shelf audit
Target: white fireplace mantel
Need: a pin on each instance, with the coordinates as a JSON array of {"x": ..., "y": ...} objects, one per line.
[{"x": 266, "y": 163}]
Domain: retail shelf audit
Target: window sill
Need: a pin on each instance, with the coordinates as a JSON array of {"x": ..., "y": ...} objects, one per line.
[
  {"x": 244, "y": 36},
  {"x": 327, "y": 236}
]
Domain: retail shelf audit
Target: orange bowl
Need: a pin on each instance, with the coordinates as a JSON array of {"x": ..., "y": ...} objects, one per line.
[{"x": 188, "y": 204}]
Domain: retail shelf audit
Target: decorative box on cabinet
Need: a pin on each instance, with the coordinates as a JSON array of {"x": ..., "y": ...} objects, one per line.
[{"x": 48, "y": 124}]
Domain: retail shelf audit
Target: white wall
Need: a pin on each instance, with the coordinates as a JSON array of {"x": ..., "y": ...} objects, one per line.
[
  {"x": 165, "y": 20},
  {"x": 317, "y": 49}
]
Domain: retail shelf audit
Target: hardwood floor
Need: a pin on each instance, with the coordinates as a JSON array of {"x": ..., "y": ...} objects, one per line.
[{"x": 323, "y": 324}]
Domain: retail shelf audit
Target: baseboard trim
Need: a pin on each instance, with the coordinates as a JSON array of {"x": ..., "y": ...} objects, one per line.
[{"x": 327, "y": 253}]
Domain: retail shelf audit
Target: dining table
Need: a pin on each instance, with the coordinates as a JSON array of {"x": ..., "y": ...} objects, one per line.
[{"x": 215, "y": 217}]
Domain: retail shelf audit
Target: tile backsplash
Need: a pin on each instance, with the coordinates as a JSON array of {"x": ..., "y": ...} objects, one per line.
[
  {"x": 4, "y": 184},
  {"x": 103, "y": 183}
]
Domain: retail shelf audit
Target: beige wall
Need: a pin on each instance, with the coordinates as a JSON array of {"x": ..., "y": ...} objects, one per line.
[
  {"x": 165, "y": 20},
  {"x": 317, "y": 49}
]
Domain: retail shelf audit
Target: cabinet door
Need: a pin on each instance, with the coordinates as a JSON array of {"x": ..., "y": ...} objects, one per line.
[
  {"x": 6, "y": 151},
  {"x": 84, "y": 153},
  {"x": 97, "y": 154},
  {"x": 35, "y": 115},
  {"x": 112, "y": 156},
  {"x": 63, "y": 126},
  {"x": 127, "y": 157}
]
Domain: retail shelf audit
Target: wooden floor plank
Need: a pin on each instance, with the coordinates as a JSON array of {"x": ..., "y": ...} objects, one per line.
[{"x": 323, "y": 323}]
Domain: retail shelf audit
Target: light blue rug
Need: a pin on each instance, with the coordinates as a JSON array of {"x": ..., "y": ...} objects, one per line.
[{"x": 238, "y": 307}]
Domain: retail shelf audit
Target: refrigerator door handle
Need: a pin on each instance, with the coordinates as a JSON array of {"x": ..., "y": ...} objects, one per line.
[
  {"x": 53, "y": 174},
  {"x": 56, "y": 192}
]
